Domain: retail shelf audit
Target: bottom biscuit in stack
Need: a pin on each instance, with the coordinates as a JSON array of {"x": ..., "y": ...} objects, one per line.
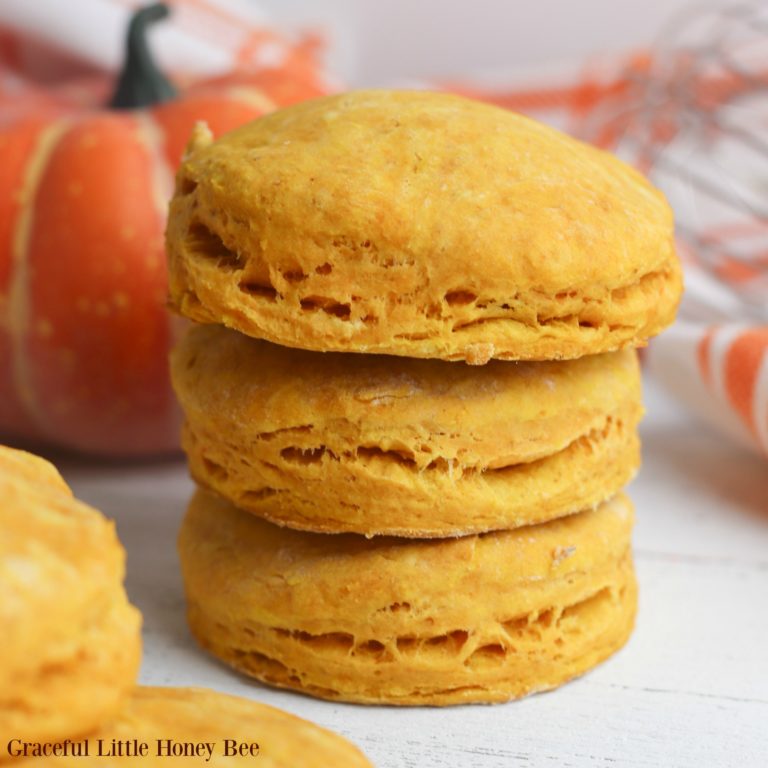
[{"x": 483, "y": 618}]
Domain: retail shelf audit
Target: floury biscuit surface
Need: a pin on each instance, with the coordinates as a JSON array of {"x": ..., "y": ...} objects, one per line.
[
  {"x": 379, "y": 444},
  {"x": 196, "y": 727},
  {"x": 70, "y": 639},
  {"x": 422, "y": 225},
  {"x": 481, "y": 618}
]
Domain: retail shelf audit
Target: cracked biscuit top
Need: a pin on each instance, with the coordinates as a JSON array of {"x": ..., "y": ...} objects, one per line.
[{"x": 419, "y": 224}]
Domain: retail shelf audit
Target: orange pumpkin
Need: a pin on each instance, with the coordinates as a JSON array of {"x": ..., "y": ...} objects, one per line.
[{"x": 84, "y": 333}]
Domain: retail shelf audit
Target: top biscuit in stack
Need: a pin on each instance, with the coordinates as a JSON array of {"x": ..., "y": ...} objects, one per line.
[{"x": 423, "y": 225}]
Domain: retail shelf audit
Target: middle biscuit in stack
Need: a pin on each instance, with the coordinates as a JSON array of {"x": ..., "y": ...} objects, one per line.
[
  {"x": 388, "y": 445},
  {"x": 422, "y": 226}
]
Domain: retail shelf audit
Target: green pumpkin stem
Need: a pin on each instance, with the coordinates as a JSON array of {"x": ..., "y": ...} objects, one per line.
[{"x": 141, "y": 84}]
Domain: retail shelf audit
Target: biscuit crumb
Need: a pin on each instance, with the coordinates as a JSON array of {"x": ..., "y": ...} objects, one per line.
[{"x": 479, "y": 354}]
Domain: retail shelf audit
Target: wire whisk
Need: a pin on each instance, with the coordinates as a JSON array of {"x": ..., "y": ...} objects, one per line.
[{"x": 694, "y": 117}]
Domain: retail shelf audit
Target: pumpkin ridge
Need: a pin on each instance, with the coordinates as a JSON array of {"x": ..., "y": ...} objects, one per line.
[
  {"x": 151, "y": 137},
  {"x": 18, "y": 294}
]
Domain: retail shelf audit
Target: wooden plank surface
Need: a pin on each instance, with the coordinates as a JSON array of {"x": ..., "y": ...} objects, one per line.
[{"x": 689, "y": 690}]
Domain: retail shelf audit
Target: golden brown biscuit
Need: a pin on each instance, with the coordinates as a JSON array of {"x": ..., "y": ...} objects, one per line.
[
  {"x": 28, "y": 468},
  {"x": 70, "y": 639},
  {"x": 385, "y": 445},
  {"x": 476, "y": 619},
  {"x": 178, "y": 724},
  {"x": 419, "y": 224}
]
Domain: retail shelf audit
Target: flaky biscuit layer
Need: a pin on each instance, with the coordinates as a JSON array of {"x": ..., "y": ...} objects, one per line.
[{"x": 387, "y": 445}]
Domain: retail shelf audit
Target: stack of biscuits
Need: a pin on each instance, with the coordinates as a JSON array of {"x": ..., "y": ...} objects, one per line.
[
  {"x": 72, "y": 646},
  {"x": 412, "y": 395}
]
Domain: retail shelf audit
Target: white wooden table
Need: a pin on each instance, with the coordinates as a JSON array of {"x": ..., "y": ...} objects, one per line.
[{"x": 690, "y": 688}]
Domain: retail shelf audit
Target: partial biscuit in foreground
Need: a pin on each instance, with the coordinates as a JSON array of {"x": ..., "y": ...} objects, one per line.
[
  {"x": 71, "y": 642},
  {"x": 188, "y": 718},
  {"x": 419, "y": 224},
  {"x": 483, "y": 618},
  {"x": 378, "y": 444}
]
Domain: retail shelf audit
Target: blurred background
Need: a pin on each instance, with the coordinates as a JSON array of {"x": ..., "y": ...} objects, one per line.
[
  {"x": 675, "y": 88},
  {"x": 374, "y": 43}
]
